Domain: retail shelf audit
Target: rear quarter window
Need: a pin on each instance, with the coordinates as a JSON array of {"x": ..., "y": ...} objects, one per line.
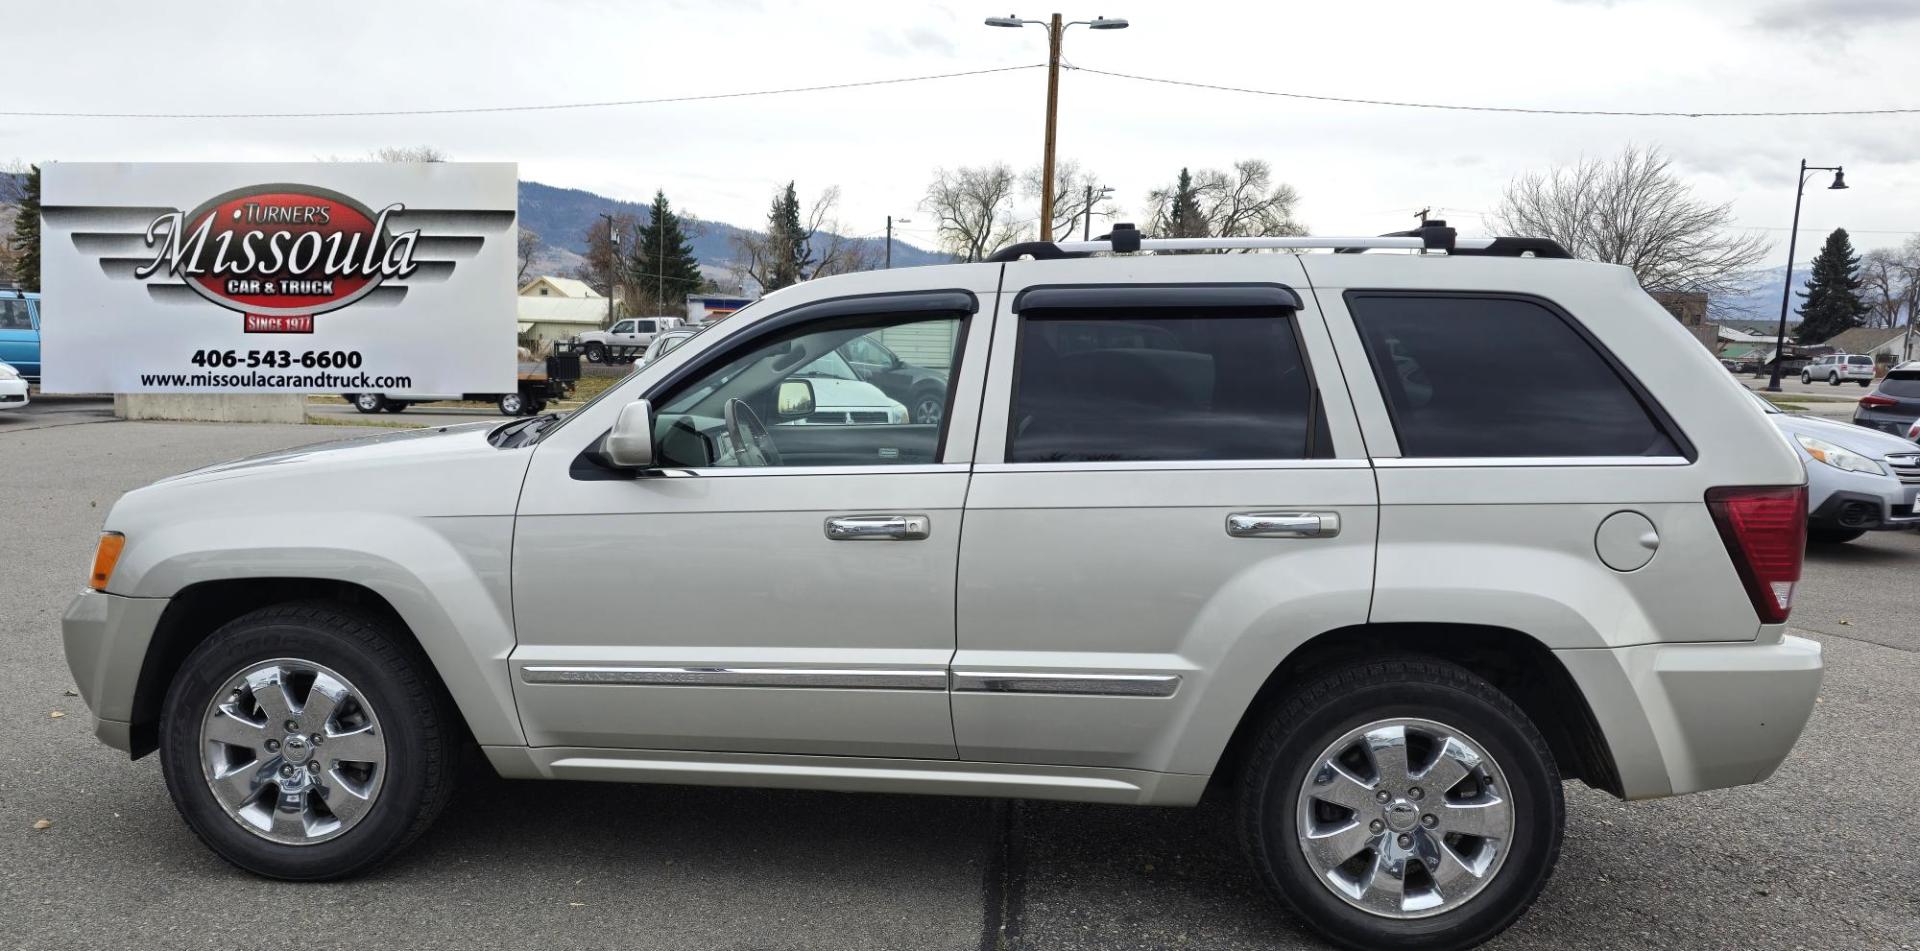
[
  {"x": 1489, "y": 376},
  {"x": 1902, "y": 383}
]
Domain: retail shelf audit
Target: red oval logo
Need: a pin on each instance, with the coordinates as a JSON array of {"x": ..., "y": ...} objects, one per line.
[{"x": 280, "y": 250}]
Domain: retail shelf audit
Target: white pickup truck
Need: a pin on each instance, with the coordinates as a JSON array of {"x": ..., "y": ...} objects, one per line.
[{"x": 625, "y": 340}]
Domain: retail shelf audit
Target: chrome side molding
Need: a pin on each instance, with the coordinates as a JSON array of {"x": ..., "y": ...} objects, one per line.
[
  {"x": 1100, "y": 685},
  {"x": 802, "y": 677}
]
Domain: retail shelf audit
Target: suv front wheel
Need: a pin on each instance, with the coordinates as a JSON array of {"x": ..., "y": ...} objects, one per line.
[
  {"x": 1402, "y": 803},
  {"x": 304, "y": 742}
]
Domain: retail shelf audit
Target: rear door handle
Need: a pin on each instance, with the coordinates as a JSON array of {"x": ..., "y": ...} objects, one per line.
[
  {"x": 853, "y": 528},
  {"x": 1283, "y": 524}
]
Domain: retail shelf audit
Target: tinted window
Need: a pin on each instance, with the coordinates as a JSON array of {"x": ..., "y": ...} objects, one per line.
[
  {"x": 1861, "y": 361},
  {"x": 1902, "y": 383},
  {"x": 13, "y": 315},
  {"x": 643, "y": 326},
  {"x": 1113, "y": 386},
  {"x": 1482, "y": 377}
]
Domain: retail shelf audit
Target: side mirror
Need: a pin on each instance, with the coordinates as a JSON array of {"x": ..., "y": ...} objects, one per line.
[
  {"x": 794, "y": 399},
  {"x": 629, "y": 444}
]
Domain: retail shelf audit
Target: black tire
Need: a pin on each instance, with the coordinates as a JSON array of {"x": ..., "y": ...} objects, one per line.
[
  {"x": 1864, "y": 382},
  {"x": 1318, "y": 713},
  {"x": 1833, "y": 379},
  {"x": 395, "y": 406},
  {"x": 596, "y": 353},
  {"x": 513, "y": 404},
  {"x": 416, "y": 717},
  {"x": 1821, "y": 535},
  {"x": 1805, "y": 379},
  {"x": 369, "y": 403},
  {"x": 537, "y": 407},
  {"x": 927, "y": 405}
]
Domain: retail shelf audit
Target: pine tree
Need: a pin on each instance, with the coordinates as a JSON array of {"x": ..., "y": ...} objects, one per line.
[
  {"x": 1833, "y": 303},
  {"x": 787, "y": 242},
  {"x": 1184, "y": 219},
  {"x": 26, "y": 233},
  {"x": 663, "y": 258}
]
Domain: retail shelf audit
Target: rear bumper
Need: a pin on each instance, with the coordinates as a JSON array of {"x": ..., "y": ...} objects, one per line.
[
  {"x": 1682, "y": 718},
  {"x": 106, "y": 638}
]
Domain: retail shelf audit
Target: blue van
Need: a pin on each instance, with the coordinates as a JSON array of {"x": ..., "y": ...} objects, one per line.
[{"x": 20, "y": 332}]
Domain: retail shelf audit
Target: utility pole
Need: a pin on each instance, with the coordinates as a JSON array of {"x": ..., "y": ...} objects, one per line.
[
  {"x": 1086, "y": 228},
  {"x": 1055, "y": 28},
  {"x": 889, "y": 242},
  {"x": 613, "y": 252}
]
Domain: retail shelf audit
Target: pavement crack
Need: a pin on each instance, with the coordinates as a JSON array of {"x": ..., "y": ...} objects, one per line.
[{"x": 1003, "y": 888}]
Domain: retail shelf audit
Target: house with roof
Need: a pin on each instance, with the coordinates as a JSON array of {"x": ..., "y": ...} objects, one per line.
[
  {"x": 547, "y": 285},
  {"x": 556, "y": 308},
  {"x": 1886, "y": 345}
]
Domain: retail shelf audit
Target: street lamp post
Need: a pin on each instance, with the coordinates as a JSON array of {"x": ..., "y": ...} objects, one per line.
[
  {"x": 890, "y": 222},
  {"x": 613, "y": 251},
  {"x": 1786, "y": 292},
  {"x": 1054, "y": 30}
]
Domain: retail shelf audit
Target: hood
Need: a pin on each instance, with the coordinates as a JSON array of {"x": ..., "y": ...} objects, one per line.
[
  {"x": 831, "y": 394},
  {"x": 390, "y": 446},
  {"x": 1867, "y": 442}
]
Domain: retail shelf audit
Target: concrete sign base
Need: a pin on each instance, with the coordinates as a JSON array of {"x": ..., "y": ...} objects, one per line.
[{"x": 213, "y": 407}]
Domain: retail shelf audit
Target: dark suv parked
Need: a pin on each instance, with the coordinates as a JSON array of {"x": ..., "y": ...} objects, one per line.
[{"x": 1895, "y": 403}]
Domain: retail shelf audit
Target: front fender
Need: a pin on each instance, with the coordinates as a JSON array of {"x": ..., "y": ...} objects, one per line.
[{"x": 448, "y": 578}]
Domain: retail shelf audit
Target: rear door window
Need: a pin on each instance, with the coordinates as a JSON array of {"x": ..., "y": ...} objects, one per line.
[
  {"x": 1483, "y": 376},
  {"x": 14, "y": 316},
  {"x": 1112, "y": 385}
]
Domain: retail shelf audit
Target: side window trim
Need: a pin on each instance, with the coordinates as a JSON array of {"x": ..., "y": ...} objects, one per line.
[
  {"x": 1185, "y": 298},
  {"x": 1657, "y": 413}
]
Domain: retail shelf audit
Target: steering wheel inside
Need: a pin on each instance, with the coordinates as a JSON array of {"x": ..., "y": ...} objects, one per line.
[{"x": 752, "y": 444}]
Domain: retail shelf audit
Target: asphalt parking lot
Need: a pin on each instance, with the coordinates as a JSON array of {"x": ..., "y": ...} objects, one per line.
[{"x": 1822, "y": 856}]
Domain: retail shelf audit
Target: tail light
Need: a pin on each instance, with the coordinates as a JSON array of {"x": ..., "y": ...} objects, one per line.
[
  {"x": 1765, "y": 531},
  {"x": 1875, "y": 399}
]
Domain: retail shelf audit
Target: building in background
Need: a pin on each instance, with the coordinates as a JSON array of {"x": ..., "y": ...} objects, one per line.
[
  {"x": 705, "y": 308},
  {"x": 555, "y": 308}
]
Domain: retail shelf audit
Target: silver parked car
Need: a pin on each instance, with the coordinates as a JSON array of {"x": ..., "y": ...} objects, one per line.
[
  {"x": 1858, "y": 480},
  {"x": 1301, "y": 528}
]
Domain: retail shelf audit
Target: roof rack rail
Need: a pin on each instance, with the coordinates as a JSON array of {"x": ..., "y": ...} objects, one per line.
[{"x": 1431, "y": 236}]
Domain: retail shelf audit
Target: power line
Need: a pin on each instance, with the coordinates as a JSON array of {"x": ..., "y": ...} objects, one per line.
[
  {"x": 1514, "y": 109},
  {"x": 544, "y": 107}
]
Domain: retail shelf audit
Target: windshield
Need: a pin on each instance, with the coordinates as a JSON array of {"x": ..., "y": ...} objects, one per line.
[{"x": 830, "y": 366}]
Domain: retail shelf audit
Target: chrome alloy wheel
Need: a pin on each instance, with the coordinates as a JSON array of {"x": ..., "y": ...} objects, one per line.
[
  {"x": 1405, "y": 818},
  {"x": 292, "y": 751}
]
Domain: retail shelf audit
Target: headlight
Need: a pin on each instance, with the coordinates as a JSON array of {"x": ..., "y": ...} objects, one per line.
[
  {"x": 1837, "y": 457},
  {"x": 8, "y": 372}
]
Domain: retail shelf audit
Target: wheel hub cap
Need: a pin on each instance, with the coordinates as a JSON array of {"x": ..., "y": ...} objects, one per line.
[
  {"x": 292, "y": 751},
  {"x": 1404, "y": 818}
]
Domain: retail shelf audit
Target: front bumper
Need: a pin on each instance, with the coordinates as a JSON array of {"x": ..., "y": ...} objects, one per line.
[
  {"x": 106, "y": 638},
  {"x": 1682, "y": 718},
  {"x": 13, "y": 394},
  {"x": 1887, "y": 507}
]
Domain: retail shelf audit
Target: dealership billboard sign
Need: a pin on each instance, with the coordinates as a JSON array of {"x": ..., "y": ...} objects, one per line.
[{"x": 329, "y": 277}]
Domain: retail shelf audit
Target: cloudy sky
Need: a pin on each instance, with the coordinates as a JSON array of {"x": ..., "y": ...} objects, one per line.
[{"x": 1360, "y": 169}]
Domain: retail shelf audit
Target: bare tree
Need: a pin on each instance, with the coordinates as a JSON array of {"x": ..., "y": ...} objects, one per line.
[
  {"x": 407, "y": 153},
  {"x": 1072, "y": 186},
  {"x": 529, "y": 245},
  {"x": 1891, "y": 284},
  {"x": 1632, "y": 209},
  {"x": 1241, "y": 202},
  {"x": 972, "y": 208}
]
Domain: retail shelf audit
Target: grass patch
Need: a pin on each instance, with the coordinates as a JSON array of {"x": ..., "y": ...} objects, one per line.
[
  {"x": 370, "y": 422},
  {"x": 1784, "y": 404}
]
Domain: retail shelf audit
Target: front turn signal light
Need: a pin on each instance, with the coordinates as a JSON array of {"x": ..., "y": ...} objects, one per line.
[{"x": 105, "y": 556}]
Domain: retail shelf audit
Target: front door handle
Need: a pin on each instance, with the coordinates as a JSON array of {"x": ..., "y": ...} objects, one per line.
[
  {"x": 1283, "y": 524},
  {"x": 853, "y": 528}
]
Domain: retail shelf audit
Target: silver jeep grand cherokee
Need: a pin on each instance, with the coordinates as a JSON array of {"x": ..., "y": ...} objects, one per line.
[{"x": 1387, "y": 545}]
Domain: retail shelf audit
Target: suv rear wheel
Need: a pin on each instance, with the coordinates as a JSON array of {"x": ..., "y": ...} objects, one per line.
[
  {"x": 302, "y": 742},
  {"x": 1402, "y": 803}
]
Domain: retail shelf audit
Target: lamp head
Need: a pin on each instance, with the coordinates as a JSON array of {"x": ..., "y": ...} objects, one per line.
[
  {"x": 1103, "y": 23},
  {"x": 1008, "y": 20},
  {"x": 1839, "y": 180}
]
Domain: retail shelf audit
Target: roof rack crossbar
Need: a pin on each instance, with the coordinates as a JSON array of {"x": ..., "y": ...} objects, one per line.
[{"x": 1430, "y": 236}]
